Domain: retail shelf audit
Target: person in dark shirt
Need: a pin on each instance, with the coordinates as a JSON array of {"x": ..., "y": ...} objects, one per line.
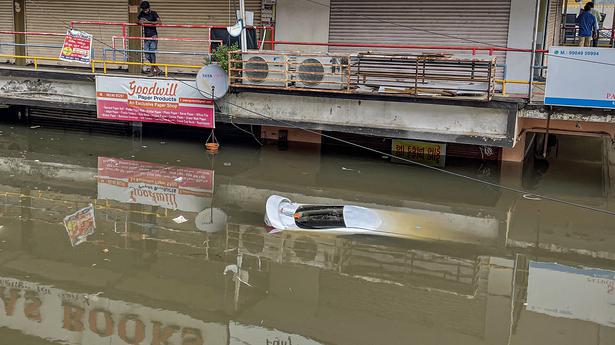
[
  {"x": 587, "y": 26},
  {"x": 149, "y": 17}
]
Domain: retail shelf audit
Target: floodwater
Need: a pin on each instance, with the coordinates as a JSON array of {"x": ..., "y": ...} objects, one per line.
[{"x": 177, "y": 252}]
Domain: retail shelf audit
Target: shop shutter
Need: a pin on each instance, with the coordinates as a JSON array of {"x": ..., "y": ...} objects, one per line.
[
  {"x": 553, "y": 23},
  {"x": 54, "y": 16},
  {"x": 417, "y": 22},
  {"x": 6, "y": 24},
  {"x": 215, "y": 12}
]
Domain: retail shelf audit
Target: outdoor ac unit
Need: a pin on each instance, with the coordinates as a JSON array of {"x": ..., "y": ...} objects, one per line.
[
  {"x": 321, "y": 72},
  {"x": 264, "y": 70}
]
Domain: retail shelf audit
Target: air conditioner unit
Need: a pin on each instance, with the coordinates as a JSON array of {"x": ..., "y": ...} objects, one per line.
[
  {"x": 320, "y": 72},
  {"x": 264, "y": 70}
]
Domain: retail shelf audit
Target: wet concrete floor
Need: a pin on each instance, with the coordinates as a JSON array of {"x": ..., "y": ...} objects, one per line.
[{"x": 172, "y": 248}]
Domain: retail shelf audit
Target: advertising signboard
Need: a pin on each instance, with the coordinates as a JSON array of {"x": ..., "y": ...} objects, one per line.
[
  {"x": 581, "y": 77},
  {"x": 170, "y": 187},
  {"x": 153, "y": 100},
  {"x": 573, "y": 293},
  {"x": 77, "y": 47}
]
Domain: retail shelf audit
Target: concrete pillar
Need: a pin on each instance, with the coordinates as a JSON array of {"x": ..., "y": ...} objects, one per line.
[
  {"x": 19, "y": 24},
  {"x": 517, "y": 152},
  {"x": 520, "y": 35},
  {"x": 610, "y": 147},
  {"x": 302, "y": 21},
  {"x": 134, "y": 31}
]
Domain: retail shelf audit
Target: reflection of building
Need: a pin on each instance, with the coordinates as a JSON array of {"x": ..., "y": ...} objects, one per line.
[{"x": 374, "y": 290}]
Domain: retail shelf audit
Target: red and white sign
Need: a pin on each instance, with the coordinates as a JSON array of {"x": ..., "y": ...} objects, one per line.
[
  {"x": 77, "y": 47},
  {"x": 80, "y": 225},
  {"x": 153, "y": 100},
  {"x": 572, "y": 292},
  {"x": 170, "y": 187}
]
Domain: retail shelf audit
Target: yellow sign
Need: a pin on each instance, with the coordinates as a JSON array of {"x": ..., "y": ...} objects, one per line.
[{"x": 433, "y": 154}]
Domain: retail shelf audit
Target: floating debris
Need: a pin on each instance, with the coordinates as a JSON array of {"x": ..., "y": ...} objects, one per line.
[
  {"x": 179, "y": 179},
  {"x": 227, "y": 164},
  {"x": 35, "y": 127},
  {"x": 180, "y": 220}
]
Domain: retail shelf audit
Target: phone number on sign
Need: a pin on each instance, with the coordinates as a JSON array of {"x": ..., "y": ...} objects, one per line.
[{"x": 577, "y": 53}]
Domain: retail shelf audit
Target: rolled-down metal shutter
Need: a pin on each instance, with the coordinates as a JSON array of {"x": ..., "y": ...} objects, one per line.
[
  {"x": 213, "y": 12},
  {"x": 418, "y": 22},
  {"x": 6, "y": 24},
  {"x": 53, "y": 16},
  {"x": 553, "y": 22}
]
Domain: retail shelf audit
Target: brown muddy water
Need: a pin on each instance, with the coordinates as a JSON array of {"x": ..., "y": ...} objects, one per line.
[{"x": 178, "y": 253}]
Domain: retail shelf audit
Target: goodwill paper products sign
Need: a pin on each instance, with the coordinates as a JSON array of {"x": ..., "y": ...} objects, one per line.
[{"x": 153, "y": 100}]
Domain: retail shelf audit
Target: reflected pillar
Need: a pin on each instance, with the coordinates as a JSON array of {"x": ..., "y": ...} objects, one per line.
[{"x": 25, "y": 221}]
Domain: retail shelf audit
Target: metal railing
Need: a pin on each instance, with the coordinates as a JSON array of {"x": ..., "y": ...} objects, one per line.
[
  {"x": 433, "y": 76},
  {"x": 569, "y": 35},
  {"x": 337, "y": 75}
]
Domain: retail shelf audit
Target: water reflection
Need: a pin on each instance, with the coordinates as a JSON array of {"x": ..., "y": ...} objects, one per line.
[{"x": 545, "y": 276}]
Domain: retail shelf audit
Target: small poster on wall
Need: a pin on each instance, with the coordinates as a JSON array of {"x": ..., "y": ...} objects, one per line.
[{"x": 77, "y": 47}]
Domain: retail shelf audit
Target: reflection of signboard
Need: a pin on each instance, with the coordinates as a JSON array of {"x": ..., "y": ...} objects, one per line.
[
  {"x": 80, "y": 225},
  {"x": 78, "y": 319},
  {"x": 427, "y": 153},
  {"x": 186, "y": 189},
  {"x": 153, "y": 100},
  {"x": 578, "y": 77},
  {"x": 77, "y": 47},
  {"x": 574, "y": 293},
  {"x": 246, "y": 334}
]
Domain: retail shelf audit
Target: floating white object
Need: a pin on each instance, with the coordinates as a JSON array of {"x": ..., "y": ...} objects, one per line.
[{"x": 180, "y": 219}]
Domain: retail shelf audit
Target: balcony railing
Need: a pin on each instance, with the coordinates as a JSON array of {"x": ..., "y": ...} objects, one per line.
[{"x": 420, "y": 75}]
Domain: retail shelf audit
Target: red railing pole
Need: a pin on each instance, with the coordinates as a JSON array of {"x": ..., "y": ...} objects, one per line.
[
  {"x": 72, "y": 24},
  {"x": 272, "y": 38},
  {"x": 209, "y": 37},
  {"x": 124, "y": 36}
]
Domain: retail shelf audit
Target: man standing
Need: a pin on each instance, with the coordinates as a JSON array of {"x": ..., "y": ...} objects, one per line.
[
  {"x": 149, "y": 18},
  {"x": 598, "y": 16},
  {"x": 587, "y": 24}
]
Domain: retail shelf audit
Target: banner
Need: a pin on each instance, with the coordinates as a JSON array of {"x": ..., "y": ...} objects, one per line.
[
  {"x": 80, "y": 225},
  {"x": 170, "y": 187},
  {"x": 77, "y": 47},
  {"x": 153, "y": 100},
  {"x": 573, "y": 293},
  {"x": 581, "y": 77}
]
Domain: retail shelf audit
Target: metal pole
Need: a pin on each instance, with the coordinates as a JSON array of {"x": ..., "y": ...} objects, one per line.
[
  {"x": 533, "y": 57},
  {"x": 242, "y": 14},
  {"x": 546, "y": 143}
]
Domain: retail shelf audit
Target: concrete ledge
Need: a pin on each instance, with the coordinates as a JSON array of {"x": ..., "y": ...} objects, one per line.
[{"x": 424, "y": 121}]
